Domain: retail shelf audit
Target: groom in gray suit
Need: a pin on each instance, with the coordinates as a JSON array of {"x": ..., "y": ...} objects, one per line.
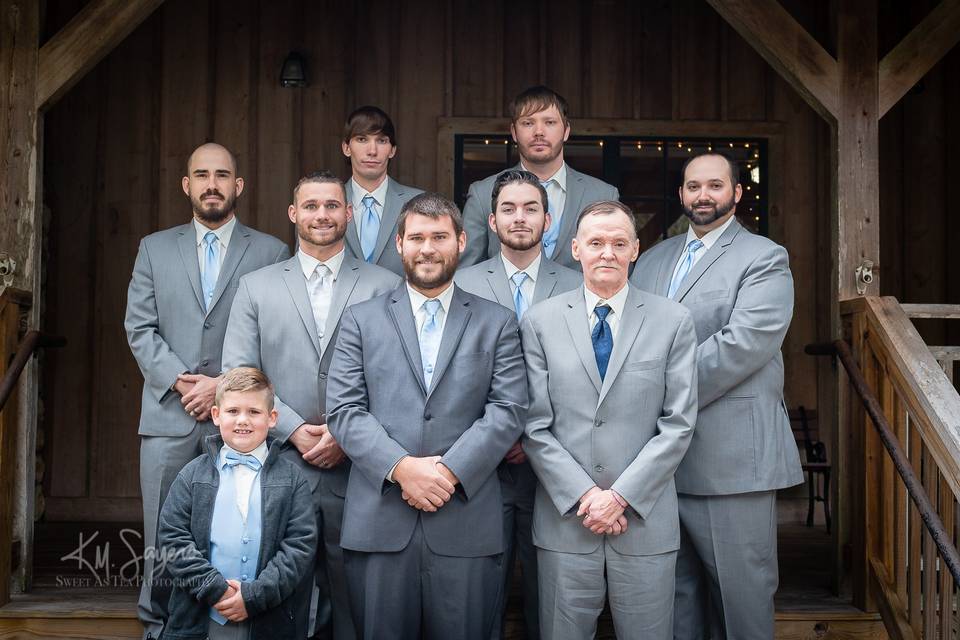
[
  {"x": 284, "y": 321},
  {"x": 370, "y": 141},
  {"x": 539, "y": 124},
  {"x": 739, "y": 289},
  {"x": 179, "y": 298},
  {"x": 518, "y": 278},
  {"x": 613, "y": 400},
  {"x": 426, "y": 391}
]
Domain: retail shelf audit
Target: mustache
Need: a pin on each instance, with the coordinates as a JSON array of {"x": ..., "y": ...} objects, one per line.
[{"x": 211, "y": 192}]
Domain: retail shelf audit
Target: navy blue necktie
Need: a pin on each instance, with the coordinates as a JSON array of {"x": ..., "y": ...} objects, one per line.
[
  {"x": 602, "y": 339},
  {"x": 233, "y": 459}
]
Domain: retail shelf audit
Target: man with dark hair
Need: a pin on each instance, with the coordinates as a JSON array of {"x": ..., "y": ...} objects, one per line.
[
  {"x": 739, "y": 289},
  {"x": 178, "y": 301},
  {"x": 518, "y": 278},
  {"x": 539, "y": 124},
  {"x": 426, "y": 391},
  {"x": 370, "y": 141},
  {"x": 284, "y": 321}
]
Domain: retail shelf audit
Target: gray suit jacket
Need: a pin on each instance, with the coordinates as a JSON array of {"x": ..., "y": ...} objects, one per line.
[
  {"x": 483, "y": 243},
  {"x": 385, "y": 254},
  {"x": 489, "y": 281},
  {"x": 168, "y": 327},
  {"x": 379, "y": 410},
  {"x": 627, "y": 432},
  {"x": 272, "y": 328},
  {"x": 741, "y": 296}
]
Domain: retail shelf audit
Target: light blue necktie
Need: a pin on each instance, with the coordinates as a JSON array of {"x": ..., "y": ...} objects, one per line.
[
  {"x": 551, "y": 235},
  {"x": 233, "y": 459},
  {"x": 602, "y": 338},
  {"x": 692, "y": 248},
  {"x": 520, "y": 303},
  {"x": 211, "y": 267},
  {"x": 370, "y": 228},
  {"x": 430, "y": 335}
]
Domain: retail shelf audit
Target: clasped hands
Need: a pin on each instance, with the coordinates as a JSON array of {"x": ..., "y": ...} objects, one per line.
[
  {"x": 604, "y": 512},
  {"x": 426, "y": 483},
  {"x": 317, "y": 445},
  {"x": 231, "y": 605},
  {"x": 197, "y": 392}
]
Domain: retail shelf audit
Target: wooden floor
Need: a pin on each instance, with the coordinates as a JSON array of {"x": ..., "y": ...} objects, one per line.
[{"x": 68, "y": 602}]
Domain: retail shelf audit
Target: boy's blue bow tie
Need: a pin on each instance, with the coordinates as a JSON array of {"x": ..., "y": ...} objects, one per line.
[{"x": 234, "y": 458}]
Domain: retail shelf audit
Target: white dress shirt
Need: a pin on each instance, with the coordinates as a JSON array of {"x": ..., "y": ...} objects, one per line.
[
  {"x": 359, "y": 193},
  {"x": 420, "y": 314},
  {"x": 309, "y": 265},
  {"x": 530, "y": 284},
  {"x": 243, "y": 475},
  {"x": 616, "y": 304},
  {"x": 709, "y": 239},
  {"x": 556, "y": 186},
  {"x": 223, "y": 237}
]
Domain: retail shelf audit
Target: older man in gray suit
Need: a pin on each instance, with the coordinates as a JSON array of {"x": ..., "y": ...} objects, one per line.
[
  {"x": 612, "y": 380},
  {"x": 517, "y": 278},
  {"x": 370, "y": 141},
  {"x": 539, "y": 124},
  {"x": 426, "y": 391},
  {"x": 284, "y": 321},
  {"x": 739, "y": 289},
  {"x": 179, "y": 298}
]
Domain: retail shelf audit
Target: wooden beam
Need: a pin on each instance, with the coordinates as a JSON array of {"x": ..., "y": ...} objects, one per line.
[
  {"x": 96, "y": 29},
  {"x": 916, "y": 54},
  {"x": 788, "y": 48}
]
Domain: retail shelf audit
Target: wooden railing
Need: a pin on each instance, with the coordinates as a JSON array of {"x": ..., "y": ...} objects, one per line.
[{"x": 904, "y": 543}]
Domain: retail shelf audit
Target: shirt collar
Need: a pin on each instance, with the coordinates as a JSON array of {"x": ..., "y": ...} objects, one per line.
[
  {"x": 379, "y": 194},
  {"x": 616, "y": 303},
  {"x": 711, "y": 237},
  {"x": 260, "y": 453},
  {"x": 309, "y": 263},
  {"x": 532, "y": 270},
  {"x": 223, "y": 233},
  {"x": 560, "y": 177},
  {"x": 417, "y": 299}
]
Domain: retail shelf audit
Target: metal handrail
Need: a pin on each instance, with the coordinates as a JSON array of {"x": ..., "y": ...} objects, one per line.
[
  {"x": 915, "y": 489},
  {"x": 32, "y": 341}
]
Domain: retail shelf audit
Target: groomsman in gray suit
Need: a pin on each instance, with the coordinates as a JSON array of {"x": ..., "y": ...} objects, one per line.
[
  {"x": 739, "y": 289},
  {"x": 284, "y": 321},
  {"x": 539, "y": 124},
  {"x": 426, "y": 395},
  {"x": 370, "y": 141},
  {"x": 518, "y": 278},
  {"x": 613, "y": 400},
  {"x": 179, "y": 298}
]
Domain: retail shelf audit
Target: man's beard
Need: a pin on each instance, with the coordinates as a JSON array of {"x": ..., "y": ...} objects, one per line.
[
  {"x": 445, "y": 275},
  {"x": 215, "y": 214},
  {"x": 702, "y": 219},
  {"x": 520, "y": 244},
  {"x": 303, "y": 233}
]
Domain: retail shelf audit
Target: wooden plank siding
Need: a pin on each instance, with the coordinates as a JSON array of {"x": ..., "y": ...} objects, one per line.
[{"x": 116, "y": 145}]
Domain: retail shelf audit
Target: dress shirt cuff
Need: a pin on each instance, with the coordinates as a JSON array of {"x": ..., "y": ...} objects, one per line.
[
  {"x": 392, "y": 469},
  {"x": 623, "y": 503}
]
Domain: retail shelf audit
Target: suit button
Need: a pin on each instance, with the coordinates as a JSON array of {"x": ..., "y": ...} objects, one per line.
[
  {"x": 243, "y": 577},
  {"x": 597, "y": 423},
  {"x": 207, "y": 325},
  {"x": 323, "y": 376},
  {"x": 598, "y": 468},
  {"x": 427, "y": 416},
  {"x": 204, "y": 363},
  {"x": 244, "y": 540},
  {"x": 243, "y": 559}
]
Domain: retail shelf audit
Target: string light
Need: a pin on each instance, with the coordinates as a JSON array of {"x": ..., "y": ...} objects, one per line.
[
  {"x": 689, "y": 149},
  {"x": 659, "y": 147},
  {"x": 601, "y": 143},
  {"x": 486, "y": 142},
  {"x": 746, "y": 145},
  {"x": 731, "y": 145},
  {"x": 679, "y": 145}
]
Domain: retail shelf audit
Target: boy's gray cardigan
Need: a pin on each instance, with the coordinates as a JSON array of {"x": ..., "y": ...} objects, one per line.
[{"x": 277, "y": 601}]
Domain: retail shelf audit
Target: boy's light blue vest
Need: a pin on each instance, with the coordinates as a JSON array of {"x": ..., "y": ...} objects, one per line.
[{"x": 234, "y": 544}]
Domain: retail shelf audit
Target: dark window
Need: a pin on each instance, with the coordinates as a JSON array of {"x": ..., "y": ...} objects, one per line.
[{"x": 645, "y": 170}]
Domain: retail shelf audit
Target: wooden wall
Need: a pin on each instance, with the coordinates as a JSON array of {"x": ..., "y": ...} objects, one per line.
[{"x": 115, "y": 149}]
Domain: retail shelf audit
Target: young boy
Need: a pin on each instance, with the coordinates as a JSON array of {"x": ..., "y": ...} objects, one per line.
[{"x": 238, "y": 528}]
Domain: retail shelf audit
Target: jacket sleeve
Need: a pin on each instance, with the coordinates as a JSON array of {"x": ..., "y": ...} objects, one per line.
[
  {"x": 191, "y": 571},
  {"x": 564, "y": 480},
  {"x": 475, "y": 214},
  {"x": 157, "y": 361},
  {"x": 754, "y": 333},
  {"x": 644, "y": 479},
  {"x": 293, "y": 560},
  {"x": 479, "y": 449}
]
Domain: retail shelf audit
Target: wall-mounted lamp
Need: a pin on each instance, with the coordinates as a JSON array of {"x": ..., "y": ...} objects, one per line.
[{"x": 294, "y": 71}]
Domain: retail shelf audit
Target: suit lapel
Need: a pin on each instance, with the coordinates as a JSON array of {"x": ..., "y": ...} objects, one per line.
[
  {"x": 297, "y": 286},
  {"x": 406, "y": 327},
  {"x": 388, "y": 218},
  {"x": 353, "y": 233},
  {"x": 630, "y": 323},
  {"x": 497, "y": 279},
  {"x": 239, "y": 241},
  {"x": 453, "y": 328},
  {"x": 188, "y": 254},
  {"x": 711, "y": 256},
  {"x": 546, "y": 281},
  {"x": 576, "y": 318},
  {"x": 344, "y": 285},
  {"x": 666, "y": 268},
  {"x": 571, "y": 208}
]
